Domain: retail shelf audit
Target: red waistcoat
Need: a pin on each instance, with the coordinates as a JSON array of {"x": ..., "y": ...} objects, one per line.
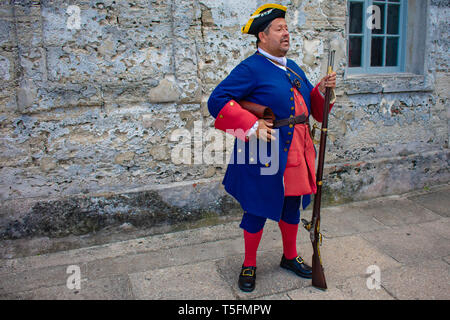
[{"x": 299, "y": 176}]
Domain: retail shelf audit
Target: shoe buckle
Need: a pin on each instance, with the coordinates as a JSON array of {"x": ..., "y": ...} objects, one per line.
[
  {"x": 252, "y": 272},
  {"x": 299, "y": 259}
]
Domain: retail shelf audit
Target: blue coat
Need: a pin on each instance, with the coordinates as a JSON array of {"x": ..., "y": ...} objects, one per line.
[{"x": 258, "y": 80}]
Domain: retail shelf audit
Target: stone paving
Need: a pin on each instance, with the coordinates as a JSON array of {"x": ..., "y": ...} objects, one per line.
[{"x": 406, "y": 238}]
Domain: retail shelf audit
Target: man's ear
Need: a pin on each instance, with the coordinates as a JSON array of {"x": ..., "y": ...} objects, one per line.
[{"x": 262, "y": 37}]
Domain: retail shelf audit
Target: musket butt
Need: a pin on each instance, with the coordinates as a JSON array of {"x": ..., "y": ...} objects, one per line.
[{"x": 318, "y": 275}]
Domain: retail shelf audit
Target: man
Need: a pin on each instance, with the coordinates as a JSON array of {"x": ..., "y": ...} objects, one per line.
[{"x": 268, "y": 78}]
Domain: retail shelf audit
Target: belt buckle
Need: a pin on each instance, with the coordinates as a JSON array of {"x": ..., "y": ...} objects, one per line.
[{"x": 292, "y": 121}]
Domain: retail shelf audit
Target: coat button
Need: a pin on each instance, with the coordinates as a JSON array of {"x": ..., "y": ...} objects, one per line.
[
  {"x": 266, "y": 164},
  {"x": 292, "y": 89},
  {"x": 292, "y": 108},
  {"x": 231, "y": 103},
  {"x": 288, "y": 141},
  {"x": 221, "y": 116},
  {"x": 285, "y": 149},
  {"x": 292, "y": 98},
  {"x": 289, "y": 133}
]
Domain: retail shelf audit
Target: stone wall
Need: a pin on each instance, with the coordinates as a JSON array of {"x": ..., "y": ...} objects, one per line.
[{"x": 89, "y": 111}]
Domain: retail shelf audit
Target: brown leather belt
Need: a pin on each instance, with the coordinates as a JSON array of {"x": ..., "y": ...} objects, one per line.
[{"x": 301, "y": 119}]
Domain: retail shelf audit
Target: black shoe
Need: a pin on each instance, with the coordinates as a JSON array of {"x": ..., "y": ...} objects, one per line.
[
  {"x": 247, "y": 279},
  {"x": 298, "y": 266}
]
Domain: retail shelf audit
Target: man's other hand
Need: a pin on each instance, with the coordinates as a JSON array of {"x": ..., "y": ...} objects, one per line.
[
  {"x": 327, "y": 81},
  {"x": 264, "y": 130}
]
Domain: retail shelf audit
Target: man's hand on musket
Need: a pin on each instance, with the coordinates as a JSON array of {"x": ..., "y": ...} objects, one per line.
[
  {"x": 264, "y": 130},
  {"x": 328, "y": 81}
]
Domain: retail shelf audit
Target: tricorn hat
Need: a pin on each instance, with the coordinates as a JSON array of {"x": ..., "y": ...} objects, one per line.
[{"x": 261, "y": 18}]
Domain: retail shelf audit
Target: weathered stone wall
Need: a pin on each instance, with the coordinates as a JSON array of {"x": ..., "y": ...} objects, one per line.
[{"x": 87, "y": 115}]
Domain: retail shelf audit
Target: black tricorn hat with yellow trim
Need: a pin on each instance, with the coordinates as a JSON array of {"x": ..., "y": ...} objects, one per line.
[{"x": 261, "y": 18}]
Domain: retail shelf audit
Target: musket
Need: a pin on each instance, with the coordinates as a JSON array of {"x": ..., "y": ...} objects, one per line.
[{"x": 313, "y": 226}]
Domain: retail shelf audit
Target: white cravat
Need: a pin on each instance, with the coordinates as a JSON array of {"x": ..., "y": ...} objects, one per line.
[{"x": 280, "y": 60}]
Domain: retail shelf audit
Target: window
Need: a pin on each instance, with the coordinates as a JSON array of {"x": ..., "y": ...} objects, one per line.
[{"x": 376, "y": 36}]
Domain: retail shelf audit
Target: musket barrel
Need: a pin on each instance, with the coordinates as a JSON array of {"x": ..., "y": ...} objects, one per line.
[{"x": 318, "y": 276}]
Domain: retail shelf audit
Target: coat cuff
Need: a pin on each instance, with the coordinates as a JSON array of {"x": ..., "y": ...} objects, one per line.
[
  {"x": 319, "y": 97},
  {"x": 233, "y": 119}
]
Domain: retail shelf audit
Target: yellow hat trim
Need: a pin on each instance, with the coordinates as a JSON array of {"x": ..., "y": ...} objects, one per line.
[{"x": 245, "y": 28}]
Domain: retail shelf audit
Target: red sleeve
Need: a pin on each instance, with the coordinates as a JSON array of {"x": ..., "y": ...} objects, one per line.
[
  {"x": 234, "y": 119},
  {"x": 317, "y": 101}
]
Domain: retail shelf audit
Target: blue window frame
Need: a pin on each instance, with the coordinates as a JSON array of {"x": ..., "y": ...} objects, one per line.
[{"x": 376, "y": 36}]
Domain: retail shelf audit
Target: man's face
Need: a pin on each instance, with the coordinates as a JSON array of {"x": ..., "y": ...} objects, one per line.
[{"x": 276, "y": 41}]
